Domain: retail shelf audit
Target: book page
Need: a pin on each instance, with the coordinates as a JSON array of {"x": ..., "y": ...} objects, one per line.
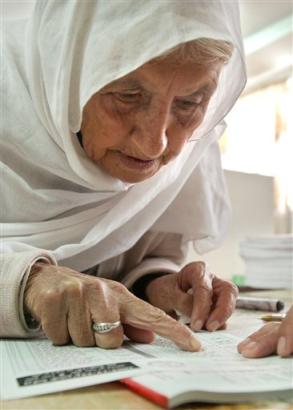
[{"x": 33, "y": 367}]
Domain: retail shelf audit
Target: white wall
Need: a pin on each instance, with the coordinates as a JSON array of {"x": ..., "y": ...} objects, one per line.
[{"x": 252, "y": 203}]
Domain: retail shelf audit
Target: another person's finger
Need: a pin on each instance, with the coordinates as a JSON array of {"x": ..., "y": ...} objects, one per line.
[
  {"x": 285, "y": 341},
  {"x": 263, "y": 331},
  {"x": 196, "y": 277},
  {"x": 261, "y": 343},
  {"x": 225, "y": 294},
  {"x": 142, "y": 315}
]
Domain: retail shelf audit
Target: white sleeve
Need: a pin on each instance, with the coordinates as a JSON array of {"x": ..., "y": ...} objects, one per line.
[
  {"x": 14, "y": 271},
  {"x": 149, "y": 266},
  {"x": 158, "y": 253}
]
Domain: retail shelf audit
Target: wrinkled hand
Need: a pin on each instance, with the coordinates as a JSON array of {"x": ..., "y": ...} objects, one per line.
[
  {"x": 66, "y": 303},
  {"x": 270, "y": 339},
  {"x": 210, "y": 303}
]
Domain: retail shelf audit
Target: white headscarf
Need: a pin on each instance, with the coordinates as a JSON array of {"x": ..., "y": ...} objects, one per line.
[{"x": 58, "y": 199}]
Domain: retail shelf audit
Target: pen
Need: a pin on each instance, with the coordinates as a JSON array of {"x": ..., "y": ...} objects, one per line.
[
  {"x": 253, "y": 303},
  {"x": 273, "y": 318}
]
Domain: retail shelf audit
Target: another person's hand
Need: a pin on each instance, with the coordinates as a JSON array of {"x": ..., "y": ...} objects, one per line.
[
  {"x": 197, "y": 293},
  {"x": 67, "y": 303},
  {"x": 272, "y": 338}
]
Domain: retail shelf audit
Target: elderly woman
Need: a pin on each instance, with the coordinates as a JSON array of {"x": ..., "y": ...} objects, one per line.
[{"x": 111, "y": 167}]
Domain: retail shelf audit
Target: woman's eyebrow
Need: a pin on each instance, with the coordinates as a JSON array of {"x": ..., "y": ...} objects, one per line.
[
  {"x": 206, "y": 89},
  {"x": 128, "y": 83}
]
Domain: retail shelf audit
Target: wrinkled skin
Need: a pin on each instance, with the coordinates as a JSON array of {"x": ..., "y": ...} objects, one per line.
[
  {"x": 196, "y": 293},
  {"x": 66, "y": 303},
  {"x": 139, "y": 123},
  {"x": 272, "y": 338}
]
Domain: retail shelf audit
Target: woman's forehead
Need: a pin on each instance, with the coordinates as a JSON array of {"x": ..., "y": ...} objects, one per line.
[{"x": 165, "y": 73}]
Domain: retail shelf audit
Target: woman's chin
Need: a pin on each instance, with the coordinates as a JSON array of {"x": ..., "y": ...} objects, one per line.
[{"x": 131, "y": 178}]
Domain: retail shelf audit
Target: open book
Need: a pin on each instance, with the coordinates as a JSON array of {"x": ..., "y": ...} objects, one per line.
[
  {"x": 216, "y": 375},
  {"x": 159, "y": 370}
]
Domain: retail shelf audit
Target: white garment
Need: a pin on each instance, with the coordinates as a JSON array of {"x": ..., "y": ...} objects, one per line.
[{"x": 57, "y": 201}]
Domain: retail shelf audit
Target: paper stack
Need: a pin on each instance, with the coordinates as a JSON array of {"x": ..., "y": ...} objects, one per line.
[{"x": 268, "y": 261}]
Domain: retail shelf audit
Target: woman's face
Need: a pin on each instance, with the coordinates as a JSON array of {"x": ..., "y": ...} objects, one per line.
[{"x": 137, "y": 124}]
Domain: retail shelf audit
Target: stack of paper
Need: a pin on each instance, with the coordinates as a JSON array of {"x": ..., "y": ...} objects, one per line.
[{"x": 268, "y": 261}]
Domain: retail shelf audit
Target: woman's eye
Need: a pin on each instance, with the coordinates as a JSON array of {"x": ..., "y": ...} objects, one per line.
[
  {"x": 189, "y": 104},
  {"x": 128, "y": 97}
]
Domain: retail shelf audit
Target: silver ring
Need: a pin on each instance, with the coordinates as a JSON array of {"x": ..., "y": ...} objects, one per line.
[{"x": 105, "y": 327}]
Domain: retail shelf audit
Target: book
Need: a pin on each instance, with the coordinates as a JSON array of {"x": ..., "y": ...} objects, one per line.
[
  {"x": 218, "y": 374},
  {"x": 159, "y": 371},
  {"x": 169, "y": 391}
]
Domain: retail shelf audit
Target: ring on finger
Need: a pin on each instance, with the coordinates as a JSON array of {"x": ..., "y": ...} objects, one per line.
[{"x": 105, "y": 327}]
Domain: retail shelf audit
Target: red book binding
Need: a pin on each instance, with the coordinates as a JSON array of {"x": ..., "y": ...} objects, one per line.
[{"x": 146, "y": 392}]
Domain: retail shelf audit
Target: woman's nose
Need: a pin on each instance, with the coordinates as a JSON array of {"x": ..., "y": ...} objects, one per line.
[{"x": 151, "y": 133}]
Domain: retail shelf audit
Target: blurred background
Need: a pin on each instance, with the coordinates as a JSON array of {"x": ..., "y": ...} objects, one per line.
[{"x": 257, "y": 147}]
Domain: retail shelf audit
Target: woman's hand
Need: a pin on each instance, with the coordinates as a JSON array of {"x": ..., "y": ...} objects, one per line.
[
  {"x": 67, "y": 303},
  {"x": 273, "y": 338},
  {"x": 195, "y": 292}
]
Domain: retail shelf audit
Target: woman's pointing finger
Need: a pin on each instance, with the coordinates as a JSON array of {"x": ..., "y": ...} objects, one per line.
[{"x": 142, "y": 315}]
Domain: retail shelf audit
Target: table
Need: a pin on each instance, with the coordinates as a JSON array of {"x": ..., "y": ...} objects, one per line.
[{"x": 114, "y": 396}]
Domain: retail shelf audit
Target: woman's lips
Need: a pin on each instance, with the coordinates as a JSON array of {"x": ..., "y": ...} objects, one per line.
[{"x": 136, "y": 163}]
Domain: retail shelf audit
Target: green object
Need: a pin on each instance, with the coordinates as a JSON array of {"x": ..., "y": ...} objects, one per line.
[{"x": 238, "y": 280}]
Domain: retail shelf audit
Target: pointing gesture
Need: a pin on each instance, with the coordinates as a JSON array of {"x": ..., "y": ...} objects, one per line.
[{"x": 68, "y": 304}]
